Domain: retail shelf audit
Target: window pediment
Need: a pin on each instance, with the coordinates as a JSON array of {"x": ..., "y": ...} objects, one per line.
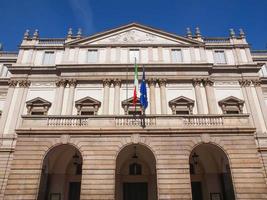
[
  {"x": 182, "y": 105},
  {"x": 87, "y": 106},
  {"x": 37, "y": 106},
  {"x": 129, "y": 107},
  {"x": 231, "y": 105}
]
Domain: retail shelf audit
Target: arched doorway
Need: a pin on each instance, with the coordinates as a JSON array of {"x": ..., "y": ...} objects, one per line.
[
  {"x": 136, "y": 176},
  {"x": 210, "y": 174},
  {"x": 61, "y": 174}
]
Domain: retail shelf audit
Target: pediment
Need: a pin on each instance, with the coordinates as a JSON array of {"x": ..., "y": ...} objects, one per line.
[
  {"x": 134, "y": 34},
  {"x": 38, "y": 101},
  {"x": 231, "y": 100},
  {"x": 129, "y": 101},
  {"x": 181, "y": 100},
  {"x": 87, "y": 101}
]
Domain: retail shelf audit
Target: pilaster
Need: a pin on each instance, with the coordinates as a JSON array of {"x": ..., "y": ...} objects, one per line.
[
  {"x": 152, "y": 99},
  {"x": 106, "y": 85},
  {"x": 212, "y": 106},
  {"x": 163, "y": 98},
  {"x": 200, "y": 106},
  {"x": 245, "y": 84},
  {"x": 72, "y": 85},
  {"x": 117, "y": 86},
  {"x": 61, "y": 84},
  {"x": 12, "y": 84}
]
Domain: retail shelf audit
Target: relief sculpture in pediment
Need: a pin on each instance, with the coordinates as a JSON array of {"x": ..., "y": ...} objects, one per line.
[{"x": 134, "y": 37}]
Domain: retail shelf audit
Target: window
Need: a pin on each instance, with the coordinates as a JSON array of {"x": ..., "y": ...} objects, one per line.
[
  {"x": 129, "y": 108},
  {"x": 92, "y": 56},
  {"x": 87, "y": 106},
  {"x": 134, "y": 54},
  {"x": 49, "y": 58},
  {"x": 135, "y": 169},
  {"x": 231, "y": 105},
  {"x": 176, "y": 55},
  {"x": 181, "y": 106},
  {"x": 219, "y": 57},
  {"x": 37, "y": 106}
]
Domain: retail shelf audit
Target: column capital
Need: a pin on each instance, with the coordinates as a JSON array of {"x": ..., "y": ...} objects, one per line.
[
  {"x": 162, "y": 82},
  {"x": 61, "y": 82},
  {"x": 151, "y": 82},
  {"x": 196, "y": 82},
  {"x": 244, "y": 82},
  {"x": 106, "y": 82},
  {"x": 256, "y": 82},
  {"x": 207, "y": 82},
  {"x": 72, "y": 82},
  {"x": 117, "y": 82},
  {"x": 24, "y": 83},
  {"x": 12, "y": 83}
]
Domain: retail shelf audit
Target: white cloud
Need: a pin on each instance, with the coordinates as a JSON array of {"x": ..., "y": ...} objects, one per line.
[{"x": 82, "y": 10}]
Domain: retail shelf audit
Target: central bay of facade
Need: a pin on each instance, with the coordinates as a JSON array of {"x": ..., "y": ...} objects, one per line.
[{"x": 81, "y": 135}]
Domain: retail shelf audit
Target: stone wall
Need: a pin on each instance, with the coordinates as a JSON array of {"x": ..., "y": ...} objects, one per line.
[{"x": 172, "y": 157}]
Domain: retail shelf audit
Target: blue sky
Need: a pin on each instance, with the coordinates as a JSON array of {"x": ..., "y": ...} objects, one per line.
[{"x": 54, "y": 17}]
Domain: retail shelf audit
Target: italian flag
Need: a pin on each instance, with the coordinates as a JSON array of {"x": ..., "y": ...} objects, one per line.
[{"x": 135, "y": 83}]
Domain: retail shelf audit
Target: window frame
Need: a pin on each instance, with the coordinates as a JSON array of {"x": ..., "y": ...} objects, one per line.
[
  {"x": 181, "y": 53},
  {"x": 139, "y": 55},
  {"x": 96, "y": 57},
  {"x": 215, "y": 51},
  {"x": 51, "y": 62}
]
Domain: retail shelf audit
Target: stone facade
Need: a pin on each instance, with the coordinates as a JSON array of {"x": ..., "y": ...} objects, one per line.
[{"x": 70, "y": 98}]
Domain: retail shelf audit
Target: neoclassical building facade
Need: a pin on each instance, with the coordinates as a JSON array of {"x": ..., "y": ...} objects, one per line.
[{"x": 70, "y": 130}]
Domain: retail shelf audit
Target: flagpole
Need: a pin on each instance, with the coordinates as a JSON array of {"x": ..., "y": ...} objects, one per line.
[
  {"x": 127, "y": 71},
  {"x": 136, "y": 91}
]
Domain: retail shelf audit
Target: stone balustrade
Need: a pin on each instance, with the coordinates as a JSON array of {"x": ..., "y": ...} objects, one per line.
[{"x": 123, "y": 122}]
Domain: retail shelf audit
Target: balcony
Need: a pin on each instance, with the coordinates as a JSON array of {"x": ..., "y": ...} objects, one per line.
[{"x": 109, "y": 123}]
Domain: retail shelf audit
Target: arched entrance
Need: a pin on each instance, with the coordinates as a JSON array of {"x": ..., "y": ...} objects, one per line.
[
  {"x": 61, "y": 174},
  {"x": 136, "y": 176},
  {"x": 210, "y": 174}
]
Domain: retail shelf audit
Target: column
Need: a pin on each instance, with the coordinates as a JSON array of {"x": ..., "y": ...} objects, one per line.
[
  {"x": 12, "y": 84},
  {"x": 263, "y": 106},
  {"x": 200, "y": 106},
  {"x": 117, "y": 86},
  {"x": 20, "y": 101},
  {"x": 26, "y": 84},
  {"x": 152, "y": 97},
  {"x": 72, "y": 84},
  {"x": 212, "y": 103},
  {"x": 106, "y": 85},
  {"x": 247, "y": 92},
  {"x": 61, "y": 84},
  {"x": 163, "y": 98}
]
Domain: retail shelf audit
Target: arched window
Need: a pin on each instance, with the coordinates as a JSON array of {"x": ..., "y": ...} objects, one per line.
[{"x": 135, "y": 169}]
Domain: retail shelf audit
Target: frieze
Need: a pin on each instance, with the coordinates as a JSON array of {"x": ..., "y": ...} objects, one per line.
[{"x": 135, "y": 37}]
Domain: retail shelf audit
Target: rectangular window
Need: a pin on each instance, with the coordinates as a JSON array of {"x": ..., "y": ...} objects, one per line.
[
  {"x": 49, "y": 58},
  {"x": 134, "y": 54},
  {"x": 92, "y": 56},
  {"x": 176, "y": 55},
  {"x": 219, "y": 57}
]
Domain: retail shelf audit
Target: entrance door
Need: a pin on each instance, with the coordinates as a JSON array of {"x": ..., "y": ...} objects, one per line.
[
  {"x": 74, "y": 190},
  {"x": 196, "y": 191},
  {"x": 135, "y": 191}
]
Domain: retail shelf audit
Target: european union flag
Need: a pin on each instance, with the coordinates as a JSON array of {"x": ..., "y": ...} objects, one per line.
[{"x": 143, "y": 93}]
